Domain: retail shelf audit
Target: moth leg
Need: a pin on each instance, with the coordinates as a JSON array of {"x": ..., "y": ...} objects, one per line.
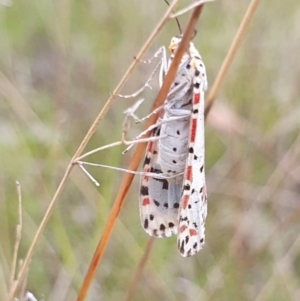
[
  {"x": 147, "y": 85},
  {"x": 152, "y": 127},
  {"x": 149, "y": 115},
  {"x": 162, "y": 66},
  {"x": 161, "y": 51},
  {"x": 164, "y": 63}
]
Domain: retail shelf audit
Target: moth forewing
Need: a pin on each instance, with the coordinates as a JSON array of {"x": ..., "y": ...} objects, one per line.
[{"x": 193, "y": 209}]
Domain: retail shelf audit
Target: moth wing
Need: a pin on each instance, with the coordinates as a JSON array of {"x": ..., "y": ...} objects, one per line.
[
  {"x": 159, "y": 198},
  {"x": 192, "y": 216},
  {"x": 193, "y": 204}
]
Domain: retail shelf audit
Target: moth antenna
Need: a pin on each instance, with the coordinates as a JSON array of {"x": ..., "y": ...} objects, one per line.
[{"x": 177, "y": 21}]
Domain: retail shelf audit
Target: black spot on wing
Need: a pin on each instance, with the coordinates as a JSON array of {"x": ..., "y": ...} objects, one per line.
[
  {"x": 201, "y": 168},
  {"x": 195, "y": 157},
  {"x": 144, "y": 190},
  {"x": 166, "y": 205},
  {"x": 171, "y": 225},
  {"x": 146, "y": 223},
  {"x": 165, "y": 184},
  {"x": 187, "y": 239},
  {"x": 156, "y": 203},
  {"x": 162, "y": 227},
  {"x": 197, "y": 85},
  {"x": 197, "y": 72},
  {"x": 187, "y": 187},
  {"x": 147, "y": 160},
  {"x": 176, "y": 205},
  {"x": 155, "y": 170},
  {"x": 151, "y": 217},
  {"x": 191, "y": 150},
  {"x": 181, "y": 247}
]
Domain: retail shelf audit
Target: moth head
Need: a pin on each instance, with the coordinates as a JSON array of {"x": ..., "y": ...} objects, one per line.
[{"x": 175, "y": 41}]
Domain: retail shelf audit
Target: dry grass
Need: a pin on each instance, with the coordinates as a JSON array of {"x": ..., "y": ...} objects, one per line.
[{"x": 53, "y": 74}]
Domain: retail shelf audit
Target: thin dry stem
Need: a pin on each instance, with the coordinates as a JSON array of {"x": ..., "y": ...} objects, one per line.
[
  {"x": 23, "y": 269},
  {"x": 23, "y": 287},
  {"x": 139, "y": 269},
  {"x": 137, "y": 156},
  {"x": 18, "y": 235},
  {"x": 230, "y": 54},
  {"x": 81, "y": 148}
]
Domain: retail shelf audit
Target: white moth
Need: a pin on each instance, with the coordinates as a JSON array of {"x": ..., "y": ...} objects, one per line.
[{"x": 177, "y": 204}]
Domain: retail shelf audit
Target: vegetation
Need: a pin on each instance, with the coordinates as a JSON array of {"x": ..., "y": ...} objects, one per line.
[{"x": 59, "y": 62}]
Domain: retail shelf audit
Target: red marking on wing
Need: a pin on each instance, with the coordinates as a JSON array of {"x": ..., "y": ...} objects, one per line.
[
  {"x": 150, "y": 146},
  {"x": 182, "y": 228},
  {"x": 193, "y": 130},
  {"x": 193, "y": 232},
  {"x": 188, "y": 173},
  {"x": 185, "y": 201},
  {"x": 146, "y": 201},
  {"x": 196, "y": 98}
]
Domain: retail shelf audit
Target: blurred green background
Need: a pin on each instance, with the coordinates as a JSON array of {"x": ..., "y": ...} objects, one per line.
[{"x": 59, "y": 62}]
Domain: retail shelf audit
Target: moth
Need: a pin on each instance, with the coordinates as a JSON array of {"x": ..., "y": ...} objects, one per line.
[{"x": 175, "y": 201}]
